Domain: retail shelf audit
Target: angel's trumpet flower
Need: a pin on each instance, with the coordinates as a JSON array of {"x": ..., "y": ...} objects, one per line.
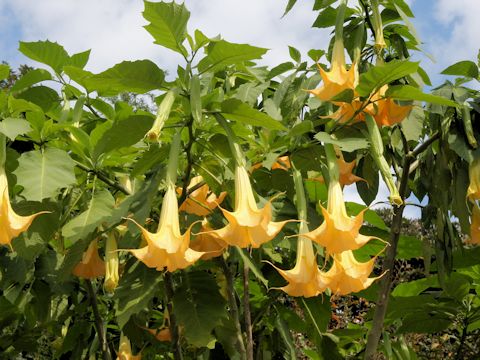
[
  {"x": 247, "y": 224},
  {"x": 91, "y": 266},
  {"x": 125, "y": 350},
  {"x": 347, "y": 275},
  {"x": 385, "y": 111},
  {"x": 208, "y": 243},
  {"x": 282, "y": 163},
  {"x": 111, "y": 263},
  {"x": 473, "y": 192},
  {"x": 347, "y": 177},
  {"x": 475, "y": 226},
  {"x": 11, "y": 224},
  {"x": 201, "y": 201}
]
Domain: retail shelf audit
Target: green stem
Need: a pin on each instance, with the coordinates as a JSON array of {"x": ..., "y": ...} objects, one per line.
[
  {"x": 340, "y": 20},
  {"x": 232, "y": 141},
  {"x": 172, "y": 166},
  {"x": 246, "y": 311},
  {"x": 169, "y": 292}
]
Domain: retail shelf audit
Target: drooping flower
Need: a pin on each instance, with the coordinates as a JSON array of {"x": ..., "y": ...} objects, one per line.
[
  {"x": 91, "y": 265},
  {"x": 247, "y": 224},
  {"x": 473, "y": 192},
  {"x": 385, "y": 111},
  {"x": 348, "y": 112},
  {"x": 208, "y": 242},
  {"x": 201, "y": 201},
  {"x": 125, "y": 350},
  {"x": 347, "y": 275},
  {"x": 347, "y": 177},
  {"x": 111, "y": 263},
  {"x": 338, "y": 232},
  {"x": 305, "y": 279},
  {"x": 11, "y": 224},
  {"x": 282, "y": 163},
  {"x": 163, "y": 334},
  {"x": 475, "y": 225},
  {"x": 167, "y": 248}
]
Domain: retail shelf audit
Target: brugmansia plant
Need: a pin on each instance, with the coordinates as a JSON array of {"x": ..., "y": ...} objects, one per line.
[{"x": 212, "y": 223}]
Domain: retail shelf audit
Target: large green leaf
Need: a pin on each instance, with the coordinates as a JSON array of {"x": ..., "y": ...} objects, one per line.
[
  {"x": 99, "y": 209},
  {"x": 408, "y": 92},
  {"x": 43, "y": 96},
  {"x": 133, "y": 76},
  {"x": 46, "y": 52},
  {"x": 43, "y": 173},
  {"x": 168, "y": 24},
  {"x": 31, "y": 78},
  {"x": 80, "y": 59},
  {"x": 222, "y": 53},
  {"x": 123, "y": 133},
  {"x": 346, "y": 144},
  {"x": 234, "y": 109},
  {"x": 462, "y": 68},
  {"x": 199, "y": 307},
  {"x": 12, "y": 127},
  {"x": 4, "y": 71},
  {"x": 377, "y": 76}
]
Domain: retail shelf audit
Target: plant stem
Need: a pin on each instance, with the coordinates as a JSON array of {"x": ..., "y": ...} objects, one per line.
[
  {"x": 177, "y": 349},
  {"x": 188, "y": 170},
  {"x": 233, "y": 307},
  {"x": 246, "y": 311},
  {"x": 98, "y": 321},
  {"x": 104, "y": 178}
]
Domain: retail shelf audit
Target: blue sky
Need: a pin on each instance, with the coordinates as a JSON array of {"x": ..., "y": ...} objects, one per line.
[{"x": 113, "y": 30}]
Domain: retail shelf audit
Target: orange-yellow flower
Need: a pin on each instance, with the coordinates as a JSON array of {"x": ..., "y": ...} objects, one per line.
[
  {"x": 305, "y": 279},
  {"x": 162, "y": 334},
  {"x": 348, "y": 112},
  {"x": 338, "y": 232},
  {"x": 475, "y": 226},
  {"x": 11, "y": 224},
  {"x": 201, "y": 201},
  {"x": 347, "y": 275},
  {"x": 347, "y": 177},
  {"x": 167, "y": 248},
  {"x": 282, "y": 163},
  {"x": 125, "y": 350},
  {"x": 111, "y": 263},
  {"x": 91, "y": 266},
  {"x": 247, "y": 224},
  {"x": 208, "y": 243},
  {"x": 385, "y": 111},
  {"x": 473, "y": 192},
  {"x": 338, "y": 79}
]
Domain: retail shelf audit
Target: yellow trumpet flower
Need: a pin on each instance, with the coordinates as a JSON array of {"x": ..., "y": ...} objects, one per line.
[
  {"x": 282, "y": 163},
  {"x": 125, "y": 350},
  {"x": 91, "y": 266},
  {"x": 111, "y": 263},
  {"x": 208, "y": 243},
  {"x": 12, "y": 224},
  {"x": 167, "y": 248},
  {"x": 347, "y": 177},
  {"x": 305, "y": 279},
  {"x": 338, "y": 232},
  {"x": 247, "y": 224},
  {"x": 475, "y": 226},
  {"x": 201, "y": 201},
  {"x": 348, "y": 112},
  {"x": 473, "y": 192},
  {"x": 385, "y": 111},
  {"x": 347, "y": 275}
]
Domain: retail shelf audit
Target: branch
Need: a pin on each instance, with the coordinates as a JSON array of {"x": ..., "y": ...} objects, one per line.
[
  {"x": 104, "y": 178},
  {"x": 177, "y": 349},
  {"x": 424, "y": 146},
  {"x": 98, "y": 321},
  {"x": 246, "y": 311}
]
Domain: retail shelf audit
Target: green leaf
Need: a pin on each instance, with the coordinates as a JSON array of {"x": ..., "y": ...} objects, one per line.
[
  {"x": 222, "y": 53},
  {"x": 136, "y": 288},
  {"x": 168, "y": 24},
  {"x": 280, "y": 69},
  {"x": 123, "y": 133},
  {"x": 408, "y": 92},
  {"x": 256, "y": 271},
  {"x": 315, "y": 54},
  {"x": 377, "y": 76},
  {"x": 195, "y": 99},
  {"x": 99, "y": 209},
  {"x": 462, "y": 68},
  {"x": 289, "y": 7},
  {"x": 328, "y": 16},
  {"x": 4, "y": 71},
  {"x": 46, "y": 52},
  {"x": 236, "y": 110},
  {"x": 12, "y": 127},
  {"x": 43, "y": 96},
  {"x": 79, "y": 60},
  {"x": 249, "y": 92},
  {"x": 295, "y": 54},
  {"x": 138, "y": 77},
  {"x": 199, "y": 307},
  {"x": 42, "y": 174},
  {"x": 412, "y": 126},
  {"x": 416, "y": 287},
  {"x": 346, "y": 144},
  {"x": 286, "y": 336},
  {"x": 31, "y": 78}
]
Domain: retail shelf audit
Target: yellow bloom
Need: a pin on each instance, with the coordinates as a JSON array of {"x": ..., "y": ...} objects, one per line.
[
  {"x": 347, "y": 275},
  {"x": 347, "y": 177},
  {"x": 208, "y": 243},
  {"x": 91, "y": 266},
  {"x": 348, "y": 112},
  {"x": 111, "y": 263},
  {"x": 338, "y": 79},
  {"x": 11, "y": 224},
  {"x": 385, "y": 111},
  {"x": 475, "y": 226},
  {"x": 473, "y": 192},
  {"x": 125, "y": 350},
  {"x": 283, "y": 163},
  {"x": 338, "y": 232},
  {"x": 305, "y": 279},
  {"x": 201, "y": 201},
  {"x": 247, "y": 224},
  {"x": 162, "y": 334},
  {"x": 167, "y": 248}
]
